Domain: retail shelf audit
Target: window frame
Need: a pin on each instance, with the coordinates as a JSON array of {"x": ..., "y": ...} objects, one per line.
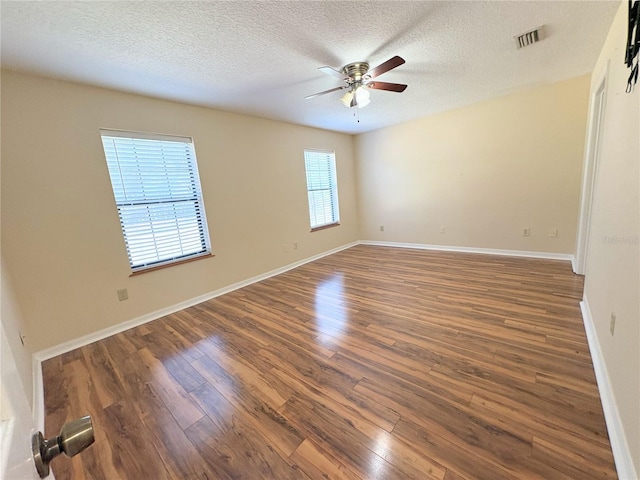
[
  {"x": 188, "y": 166},
  {"x": 333, "y": 188}
]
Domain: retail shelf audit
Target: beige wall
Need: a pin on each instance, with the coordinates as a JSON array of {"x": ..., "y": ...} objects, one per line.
[
  {"x": 612, "y": 281},
  {"x": 61, "y": 239},
  {"x": 483, "y": 172},
  {"x": 13, "y": 325},
  {"x": 17, "y": 361}
]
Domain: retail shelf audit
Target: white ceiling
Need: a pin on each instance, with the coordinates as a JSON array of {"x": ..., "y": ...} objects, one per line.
[{"x": 261, "y": 58}]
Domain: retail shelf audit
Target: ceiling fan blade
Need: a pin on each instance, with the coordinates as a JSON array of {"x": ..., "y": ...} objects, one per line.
[
  {"x": 332, "y": 71},
  {"x": 386, "y": 66},
  {"x": 325, "y": 92},
  {"x": 391, "y": 87}
]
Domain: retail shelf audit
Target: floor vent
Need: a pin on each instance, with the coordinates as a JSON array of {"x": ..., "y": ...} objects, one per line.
[{"x": 529, "y": 38}]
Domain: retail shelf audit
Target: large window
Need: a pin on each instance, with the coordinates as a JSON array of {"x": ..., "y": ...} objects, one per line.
[
  {"x": 157, "y": 191},
  {"x": 322, "y": 188}
]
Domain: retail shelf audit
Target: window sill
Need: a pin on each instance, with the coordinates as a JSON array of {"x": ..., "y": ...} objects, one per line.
[
  {"x": 172, "y": 264},
  {"x": 315, "y": 229}
]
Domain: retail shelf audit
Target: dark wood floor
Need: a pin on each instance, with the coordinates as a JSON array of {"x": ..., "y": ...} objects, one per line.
[{"x": 373, "y": 363}]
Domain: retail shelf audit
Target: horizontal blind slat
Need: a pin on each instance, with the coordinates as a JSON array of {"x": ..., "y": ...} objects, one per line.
[
  {"x": 321, "y": 187},
  {"x": 157, "y": 191}
]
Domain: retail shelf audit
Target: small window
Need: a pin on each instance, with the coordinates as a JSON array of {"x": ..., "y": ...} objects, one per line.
[
  {"x": 322, "y": 188},
  {"x": 157, "y": 192}
]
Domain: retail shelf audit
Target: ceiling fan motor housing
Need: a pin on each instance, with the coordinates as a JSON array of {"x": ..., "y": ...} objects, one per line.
[{"x": 356, "y": 72}]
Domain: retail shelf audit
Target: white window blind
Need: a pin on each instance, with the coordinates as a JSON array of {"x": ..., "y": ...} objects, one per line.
[
  {"x": 322, "y": 187},
  {"x": 157, "y": 192}
]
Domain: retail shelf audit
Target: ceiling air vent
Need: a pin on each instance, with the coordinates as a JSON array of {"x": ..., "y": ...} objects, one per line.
[{"x": 529, "y": 38}]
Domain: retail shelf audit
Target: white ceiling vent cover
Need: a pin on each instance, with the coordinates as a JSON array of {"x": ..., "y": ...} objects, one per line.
[{"x": 529, "y": 38}]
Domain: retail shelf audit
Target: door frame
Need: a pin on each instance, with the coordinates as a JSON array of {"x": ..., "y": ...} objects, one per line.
[
  {"x": 597, "y": 108},
  {"x": 17, "y": 426}
]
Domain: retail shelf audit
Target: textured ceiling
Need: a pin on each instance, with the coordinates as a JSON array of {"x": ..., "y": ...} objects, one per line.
[{"x": 261, "y": 58}]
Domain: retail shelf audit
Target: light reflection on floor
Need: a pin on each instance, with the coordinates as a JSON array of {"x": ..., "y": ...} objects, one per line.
[
  {"x": 331, "y": 316},
  {"x": 380, "y": 449}
]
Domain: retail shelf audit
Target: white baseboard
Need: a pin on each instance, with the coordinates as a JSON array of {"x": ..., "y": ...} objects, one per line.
[
  {"x": 121, "y": 327},
  {"x": 485, "y": 251},
  {"x": 41, "y": 356},
  {"x": 619, "y": 446},
  {"x": 38, "y": 394},
  {"x": 577, "y": 267}
]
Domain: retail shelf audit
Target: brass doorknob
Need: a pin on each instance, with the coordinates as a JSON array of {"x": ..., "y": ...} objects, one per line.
[{"x": 74, "y": 437}]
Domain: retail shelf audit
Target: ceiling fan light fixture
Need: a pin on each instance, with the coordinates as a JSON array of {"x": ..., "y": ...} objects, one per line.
[
  {"x": 362, "y": 97},
  {"x": 347, "y": 98}
]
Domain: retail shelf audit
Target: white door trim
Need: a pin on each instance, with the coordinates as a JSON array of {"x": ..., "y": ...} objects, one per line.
[
  {"x": 596, "y": 114},
  {"x": 16, "y": 421}
]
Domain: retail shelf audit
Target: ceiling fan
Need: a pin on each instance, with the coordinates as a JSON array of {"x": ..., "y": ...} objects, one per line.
[{"x": 358, "y": 80}]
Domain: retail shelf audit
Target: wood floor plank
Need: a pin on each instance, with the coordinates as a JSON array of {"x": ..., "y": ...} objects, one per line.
[
  {"x": 281, "y": 434},
  {"x": 241, "y": 451},
  {"x": 557, "y": 454},
  {"x": 129, "y": 442},
  {"x": 340, "y": 436},
  {"x": 533, "y": 400},
  {"x": 185, "y": 411},
  {"x": 169, "y": 354},
  {"x": 448, "y": 454},
  {"x": 164, "y": 432},
  {"x": 319, "y": 464},
  {"x": 374, "y": 363},
  {"x": 250, "y": 378},
  {"x": 462, "y": 428}
]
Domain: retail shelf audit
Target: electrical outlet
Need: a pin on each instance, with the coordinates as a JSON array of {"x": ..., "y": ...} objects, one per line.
[
  {"x": 612, "y": 323},
  {"x": 553, "y": 233},
  {"x": 295, "y": 245},
  {"x": 526, "y": 232},
  {"x": 285, "y": 247},
  {"x": 123, "y": 294},
  {"x": 442, "y": 229},
  {"x": 382, "y": 228}
]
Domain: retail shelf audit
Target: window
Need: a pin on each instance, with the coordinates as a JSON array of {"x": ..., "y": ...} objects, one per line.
[
  {"x": 322, "y": 188},
  {"x": 157, "y": 191}
]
